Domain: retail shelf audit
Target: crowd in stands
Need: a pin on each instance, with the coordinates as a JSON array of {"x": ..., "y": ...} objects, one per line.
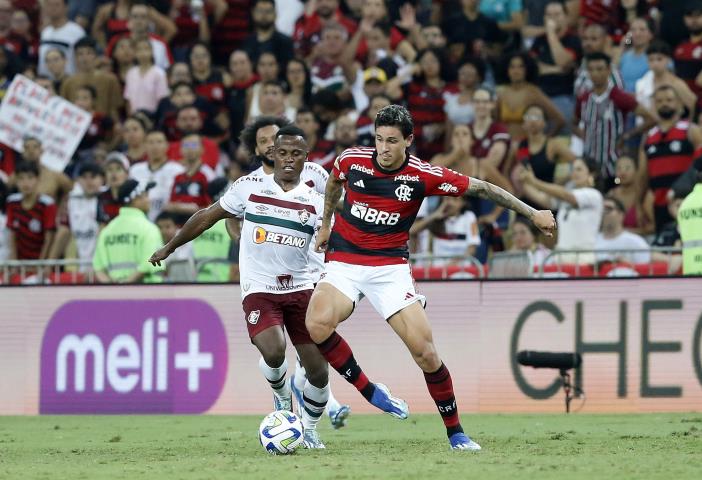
[{"x": 587, "y": 107}]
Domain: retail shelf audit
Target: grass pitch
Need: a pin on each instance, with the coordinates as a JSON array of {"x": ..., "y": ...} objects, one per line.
[{"x": 371, "y": 446}]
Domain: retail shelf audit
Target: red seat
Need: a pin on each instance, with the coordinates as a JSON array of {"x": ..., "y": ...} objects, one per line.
[
  {"x": 66, "y": 278},
  {"x": 618, "y": 269},
  {"x": 654, "y": 268},
  {"x": 567, "y": 270},
  {"x": 447, "y": 271}
]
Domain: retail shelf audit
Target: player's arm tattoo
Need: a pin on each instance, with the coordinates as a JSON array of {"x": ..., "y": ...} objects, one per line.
[
  {"x": 483, "y": 189},
  {"x": 332, "y": 194}
]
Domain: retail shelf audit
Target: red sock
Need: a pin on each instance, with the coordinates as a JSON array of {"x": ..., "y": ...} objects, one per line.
[
  {"x": 441, "y": 390},
  {"x": 340, "y": 357}
]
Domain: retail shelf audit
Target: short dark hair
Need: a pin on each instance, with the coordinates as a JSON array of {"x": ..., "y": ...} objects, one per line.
[
  {"x": 27, "y": 167},
  {"x": 598, "y": 56},
  {"x": 531, "y": 69},
  {"x": 395, "y": 116},
  {"x": 660, "y": 47},
  {"x": 477, "y": 63},
  {"x": 86, "y": 42},
  {"x": 248, "y": 134},
  {"x": 326, "y": 98},
  {"x": 91, "y": 167},
  {"x": 291, "y": 131},
  {"x": 165, "y": 215},
  {"x": 89, "y": 88},
  {"x": 273, "y": 83},
  {"x": 256, "y": 2},
  {"x": 617, "y": 203}
]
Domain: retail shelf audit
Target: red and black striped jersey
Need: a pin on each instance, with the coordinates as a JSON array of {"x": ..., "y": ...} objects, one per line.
[
  {"x": 669, "y": 154},
  {"x": 427, "y": 106},
  {"x": 688, "y": 64},
  {"x": 380, "y": 206},
  {"x": 191, "y": 189},
  {"x": 211, "y": 89},
  {"x": 30, "y": 226},
  {"x": 109, "y": 206}
]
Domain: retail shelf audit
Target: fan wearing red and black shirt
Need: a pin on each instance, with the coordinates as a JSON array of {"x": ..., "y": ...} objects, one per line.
[
  {"x": 31, "y": 216},
  {"x": 189, "y": 193},
  {"x": 688, "y": 54},
  {"x": 367, "y": 256}
]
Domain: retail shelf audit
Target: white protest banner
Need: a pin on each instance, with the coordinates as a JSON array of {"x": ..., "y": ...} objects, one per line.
[{"x": 30, "y": 110}]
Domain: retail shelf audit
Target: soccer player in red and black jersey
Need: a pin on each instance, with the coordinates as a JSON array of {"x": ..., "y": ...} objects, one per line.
[
  {"x": 31, "y": 216},
  {"x": 367, "y": 256}
]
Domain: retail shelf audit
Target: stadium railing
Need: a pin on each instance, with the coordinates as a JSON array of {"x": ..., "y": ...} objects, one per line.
[
  {"x": 566, "y": 263},
  {"x": 33, "y": 272}
]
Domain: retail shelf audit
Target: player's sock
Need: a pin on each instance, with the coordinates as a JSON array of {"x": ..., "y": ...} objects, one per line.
[
  {"x": 276, "y": 377},
  {"x": 340, "y": 357},
  {"x": 332, "y": 404},
  {"x": 441, "y": 390},
  {"x": 315, "y": 403}
]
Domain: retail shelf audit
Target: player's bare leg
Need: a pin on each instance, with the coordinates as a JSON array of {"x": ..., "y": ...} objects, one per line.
[
  {"x": 413, "y": 328},
  {"x": 274, "y": 366},
  {"x": 315, "y": 392},
  {"x": 329, "y": 307}
]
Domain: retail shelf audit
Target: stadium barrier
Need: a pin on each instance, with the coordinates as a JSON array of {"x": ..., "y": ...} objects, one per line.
[{"x": 185, "y": 348}]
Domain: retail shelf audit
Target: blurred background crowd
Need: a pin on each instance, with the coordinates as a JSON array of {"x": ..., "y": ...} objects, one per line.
[{"x": 588, "y": 107}]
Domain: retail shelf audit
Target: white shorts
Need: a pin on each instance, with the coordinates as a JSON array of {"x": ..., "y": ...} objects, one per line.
[{"x": 389, "y": 288}]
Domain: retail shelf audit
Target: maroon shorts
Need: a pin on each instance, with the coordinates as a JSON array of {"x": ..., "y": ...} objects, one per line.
[{"x": 288, "y": 310}]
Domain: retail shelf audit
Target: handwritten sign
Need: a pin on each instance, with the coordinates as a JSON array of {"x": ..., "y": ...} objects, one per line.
[{"x": 30, "y": 110}]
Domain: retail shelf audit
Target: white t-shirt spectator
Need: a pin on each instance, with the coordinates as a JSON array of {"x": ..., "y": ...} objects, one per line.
[
  {"x": 163, "y": 177},
  {"x": 625, "y": 241},
  {"x": 578, "y": 226},
  {"x": 62, "y": 38},
  {"x": 83, "y": 221},
  {"x": 4, "y": 238},
  {"x": 460, "y": 232}
]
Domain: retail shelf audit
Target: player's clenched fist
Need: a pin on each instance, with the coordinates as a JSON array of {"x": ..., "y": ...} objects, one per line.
[{"x": 544, "y": 221}]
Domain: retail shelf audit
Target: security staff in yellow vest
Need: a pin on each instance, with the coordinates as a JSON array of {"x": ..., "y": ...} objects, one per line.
[
  {"x": 124, "y": 245},
  {"x": 690, "y": 226}
]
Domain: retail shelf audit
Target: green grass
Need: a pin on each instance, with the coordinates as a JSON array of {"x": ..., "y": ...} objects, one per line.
[{"x": 666, "y": 446}]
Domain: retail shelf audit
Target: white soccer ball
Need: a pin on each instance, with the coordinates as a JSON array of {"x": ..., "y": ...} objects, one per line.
[{"x": 281, "y": 432}]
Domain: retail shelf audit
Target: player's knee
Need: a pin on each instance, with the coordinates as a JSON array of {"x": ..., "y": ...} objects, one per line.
[
  {"x": 273, "y": 355},
  {"x": 318, "y": 374},
  {"x": 427, "y": 358},
  {"x": 319, "y": 322}
]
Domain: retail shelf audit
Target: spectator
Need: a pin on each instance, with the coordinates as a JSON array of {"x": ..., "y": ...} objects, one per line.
[
  {"x": 188, "y": 121},
  {"x": 595, "y": 40},
  {"x": 520, "y": 92},
  {"x": 240, "y": 90},
  {"x": 22, "y": 37},
  {"x": 180, "y": 265},
  {"x": 146, "y": 83},
  {"x": 101, "y": 129},
  {"x": 179, "y": 72},
  {"x": 366, "y": 120},
  {"x": 265, "y": 37},
  {"x": 108, "y": 93},
  {"x": 134, "y": 134},
  {"x": 669, "y": 235},
  {"x": 298, "y": 83},
  {"x": 659, "y": 60},
  {"x": 613, "y": 236},
  {"x": 82, "y": 224},
  {"x": 4, "y": 227},
  {"x": 668, "y": 150},
  {"x": 317, "y": 16},
  {"x": 189, "y": 192},
  {"x": 533, "y": 14},
  {"x": 432, "y": 37},
  {"x": 690, "y": 227},
  {"x": 333, "y": 69},
  {"x": 216, "y": 254},
  {"x": 9, "y": 67},
  {"x": 633, "y": 63},
  {"x": 208, "y": 82},
  {"x": 525, "y": 239},
  {"x": 267, "y": 70},
  {"x": 458, "y": 105},
  {"x": 319, "y": 147},
  {"x": 56, "y": 65},
  {"x": 557, "y": 53},
  {"x": 116, "y": 173},
  {"x": 194, "y": 22},
  {"x": 636, "y": 197},
  {"x": 540, "y": 152},
  {"x": 111, "y": 19},
  {"x": 123, "y": 246},
  {"x": 374, "y": 83},
  {"x": 345, "y": 136},
  {"x": 140, "y": 15},
  {"x": 31, "y": 216},
  {"x": 59, "y": 32},
  {"x": 507, "y": 13},
  {"x": 688, "y": 62},
  {"x": 52, "y": 183},
  {"x": 159, "y": 169},
  {"x": 600, "y": 117},
  {"x": 579, "y": 207},
  {"x": 6, "y": 10},
  {"x": 468, "y": 31},
  {"x": 273, "y": 101},
  {"x": 490, "y": 139},
  {"x": 123, "y": 58}
]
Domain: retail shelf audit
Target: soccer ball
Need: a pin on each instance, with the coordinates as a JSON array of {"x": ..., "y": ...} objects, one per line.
[{"x": 281, "y": 432}]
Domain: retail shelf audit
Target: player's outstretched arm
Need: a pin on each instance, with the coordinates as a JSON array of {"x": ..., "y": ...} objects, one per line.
[
  {"x": 198, "y": 223},
  {"x": 543, "y": 219},
  {"x": 332, "y": 194}
]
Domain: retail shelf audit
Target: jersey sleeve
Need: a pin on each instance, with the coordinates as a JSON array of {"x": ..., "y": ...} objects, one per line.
[
  {"x": 450, "y": 183},
  {"x": 587, "y": 198},
  {"x": 318, "y": 175},
  {"x": 341, "y": 165},
  {"x": 234, "y": 200}
]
